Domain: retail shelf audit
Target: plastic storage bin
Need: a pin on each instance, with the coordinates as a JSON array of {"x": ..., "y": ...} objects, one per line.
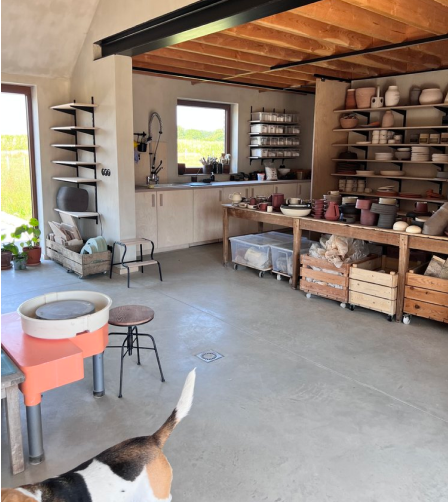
[
  {"x": 259, "y": 128},
  {"x": 282, "y": 256},
  {"x": 254, "y": 251}
]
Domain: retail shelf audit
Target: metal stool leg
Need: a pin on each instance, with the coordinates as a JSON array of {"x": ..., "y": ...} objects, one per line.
[
  {"x": 157, "y": 355},
  {"x": 138, "y": 346},
  {"x": 160, "y": 272},
  {"x": 121, "y": 367}
]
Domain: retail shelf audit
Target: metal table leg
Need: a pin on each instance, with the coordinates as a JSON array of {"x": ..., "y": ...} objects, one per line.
[
  {"x": 98, "y": 375},
  {"x": 35, "y": 439}
]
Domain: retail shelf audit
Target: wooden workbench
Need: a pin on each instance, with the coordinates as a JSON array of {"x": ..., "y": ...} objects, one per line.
[{"x": 405, "y": 242}]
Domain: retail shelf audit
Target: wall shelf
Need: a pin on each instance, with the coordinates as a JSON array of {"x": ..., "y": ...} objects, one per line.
[
  {"x": 393, "y": 145},
  {"x": 440, "y": 106},
  {"x": 436, "y": 180},
  {"x": 71, "y": 108},
  {"x": 391, "y": 161},
  {"x": 274, "y": 134},
  {"x": 73, "y": 148},
  {"x": 283, "y": 147},
  {"x": 421, "y": 199},
  {"x": 273, "y": 158},
  {"x": 400, "y": 128},
  {"x": 74, "y": 129},
  {"x": 76, "y": 214},
  {"x": 77, "y": 180},
  {"x": 76, "y": 163},
  {"x": 276, "y": 122}
]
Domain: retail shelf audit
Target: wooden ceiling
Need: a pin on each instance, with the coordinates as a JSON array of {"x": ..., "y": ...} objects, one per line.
[{"x": 321, "y": 37}]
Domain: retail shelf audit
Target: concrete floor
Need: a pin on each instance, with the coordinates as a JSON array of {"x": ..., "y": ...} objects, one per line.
[{"x": 310, "y": 403}]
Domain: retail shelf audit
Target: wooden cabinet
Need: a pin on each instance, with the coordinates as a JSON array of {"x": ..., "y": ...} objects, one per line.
[
  {"x": 237, "y": 226},
  {"x": 174, "y": 218},
  {"x": 146, "y": 215},
  {"x": 207, "y": 214}
]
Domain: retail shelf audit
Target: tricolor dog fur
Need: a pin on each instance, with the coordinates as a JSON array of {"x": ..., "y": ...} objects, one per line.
[{"x": 135, "y": 470}]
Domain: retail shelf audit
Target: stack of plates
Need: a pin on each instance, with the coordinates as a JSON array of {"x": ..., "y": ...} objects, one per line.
[
  {"x": 420, "y": 154},
  {"x": 440, "y": 157},
  {"x": 388, "y": 214},
  {"x": 384, "y": 156},
  {"x": 388, "y": 191}
]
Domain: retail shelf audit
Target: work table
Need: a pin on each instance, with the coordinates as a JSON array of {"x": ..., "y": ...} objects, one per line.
[{"x": 216, "y": 184}]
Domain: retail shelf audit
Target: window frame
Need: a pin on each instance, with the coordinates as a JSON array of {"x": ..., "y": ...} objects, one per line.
[
  {"x": 26, "y": 91},
  {"x": 210, "y": 104}
]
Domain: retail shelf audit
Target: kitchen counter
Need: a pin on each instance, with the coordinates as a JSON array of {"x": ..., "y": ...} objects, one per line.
[{"x": 216, "y": 184}]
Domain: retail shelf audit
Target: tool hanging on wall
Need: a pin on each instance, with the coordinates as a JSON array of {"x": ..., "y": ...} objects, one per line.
[{"x": 142, "y": 142}]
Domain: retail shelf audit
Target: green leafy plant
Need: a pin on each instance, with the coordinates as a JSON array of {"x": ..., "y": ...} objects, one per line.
[
  {"x": 9, "y": 246},
  {"x": 32, "y": 230}
]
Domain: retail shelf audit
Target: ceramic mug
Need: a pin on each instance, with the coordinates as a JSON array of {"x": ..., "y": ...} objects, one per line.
[
  {"x": 269, "y": 209},
  {"x": 293, "y": 200},
  {"x": 263, "y": 206},
  {"x": 253, "y": 201},
  {"x": 421, "y": 207}
]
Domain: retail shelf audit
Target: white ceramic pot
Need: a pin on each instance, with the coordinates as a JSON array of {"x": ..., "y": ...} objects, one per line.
[
  {"x": 236, "y": 198},
  {"x": 388, "y": 119},
  {"x": 392, "y": 96},
  {"x": 431, "y": 96}
]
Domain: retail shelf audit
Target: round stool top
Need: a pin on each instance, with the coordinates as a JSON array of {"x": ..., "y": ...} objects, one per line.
[
  {"x": 65, "y": 309},
  {"x": 130, "y": 315}
]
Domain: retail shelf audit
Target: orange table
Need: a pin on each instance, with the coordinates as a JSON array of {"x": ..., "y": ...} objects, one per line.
[{"x": 48, "y": 364}]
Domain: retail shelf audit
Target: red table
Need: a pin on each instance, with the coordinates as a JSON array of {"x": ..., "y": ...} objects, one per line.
[{"x": 48, "y": 364}]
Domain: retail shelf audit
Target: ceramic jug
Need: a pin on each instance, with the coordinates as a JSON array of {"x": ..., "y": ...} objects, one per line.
[
  {"x": 235, "y": 197},
  {"x": 377, "y": 101},
  {"x": 332, "y": 212},
  {"x": 388, "y": 119},
  {"x": 392, "y": 96}
]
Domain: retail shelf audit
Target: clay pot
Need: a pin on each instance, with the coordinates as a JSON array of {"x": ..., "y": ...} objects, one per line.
[
  {"x": 364, "y": 203},
  {"x": 392, "y": 96},
  {"x": 414, "y": 95},
  {"x": 368, "y": 219},
  {"x": 348, "y": 123},
  {"x": 350, "y": 100},
  {"x": 34, "y": 255},
  {"x": 332, "y": 213},
  {"x": 364, "y": 95},
  {"x": 388, "y": 119},
  {"x": 6, "y": 260},
  {"x": 431, "y": 96}
]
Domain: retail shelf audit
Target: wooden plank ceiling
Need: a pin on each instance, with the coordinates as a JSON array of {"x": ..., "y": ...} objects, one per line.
[{"x": 247, "y": 53}]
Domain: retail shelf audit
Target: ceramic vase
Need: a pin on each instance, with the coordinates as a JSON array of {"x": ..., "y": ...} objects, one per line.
[
  {"x": 377, "y": 101},
  {"x": 392, "y": 96},
  {"x": 350, "y": 101},
  {"x": 388, "y": 120},
  {"x": 363, "y": 96},
  {"x": 431, "y": 96},
  {"x": 332, "y": 213},
  {"x": 414, "y": 95}
]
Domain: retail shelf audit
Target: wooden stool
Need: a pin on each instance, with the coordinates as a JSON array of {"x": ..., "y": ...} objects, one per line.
[{"x": 131, "y": 316}]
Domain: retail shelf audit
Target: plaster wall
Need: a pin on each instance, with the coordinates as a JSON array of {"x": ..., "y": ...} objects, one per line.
[
  {"x": 155, "y": 94},
  {"x": 46, "y": 92}
]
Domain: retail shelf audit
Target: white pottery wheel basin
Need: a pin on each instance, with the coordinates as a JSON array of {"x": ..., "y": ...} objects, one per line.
[{"x": 67, "y": 328}]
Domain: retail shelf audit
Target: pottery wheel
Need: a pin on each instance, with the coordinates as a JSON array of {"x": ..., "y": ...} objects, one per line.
[{"x": 64, "y": 309}]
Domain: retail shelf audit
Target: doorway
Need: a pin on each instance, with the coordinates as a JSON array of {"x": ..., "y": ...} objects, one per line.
[{"x": 18, "y": 177}]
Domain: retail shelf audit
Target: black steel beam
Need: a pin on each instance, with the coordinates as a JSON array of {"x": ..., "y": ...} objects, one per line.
[
  {"x": 362, "y": 52},
  {"x": 193, "y": 21},
  {"x": 219, "y": 81}
]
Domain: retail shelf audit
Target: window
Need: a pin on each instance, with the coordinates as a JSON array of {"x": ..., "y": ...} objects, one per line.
[
  {"x": 19, "y": 200},
  {"x": 203, "y": 130}
]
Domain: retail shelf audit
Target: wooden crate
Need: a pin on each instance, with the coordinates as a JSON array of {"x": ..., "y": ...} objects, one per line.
[
  {"x": 426, "y": 296},
  {"x": 81, "y": 264},
  {"x": 325, "y": 275},
  {"x": 374, "y": 290}
]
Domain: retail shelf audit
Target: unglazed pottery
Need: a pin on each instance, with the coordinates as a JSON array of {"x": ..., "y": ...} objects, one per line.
[
  {"x": 392, "y": 96},
  {"x": 388, "y": 119},
  {"x": 364, "y": 95},
  {"x": 414, "y": 94},
  {"x": 350, "y": 100},
  {"x": 431, "y": 96},
  {"x": 377, "y": 101}
]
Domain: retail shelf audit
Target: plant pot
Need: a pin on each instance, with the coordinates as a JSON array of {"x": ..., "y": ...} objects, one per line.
[
  {"x": 34, "y": 255},
  {"x": 350, "y": 101},
  {"x": 348, "y": 123},
  {"x": 6, "y": 260},
  {"x": 20, "y": 264},
  {"x": 364, "y": 95}
]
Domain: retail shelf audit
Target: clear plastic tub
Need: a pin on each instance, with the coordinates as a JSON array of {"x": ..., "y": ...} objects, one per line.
[
  {"x": 259, "y": 152},
  {"x": 282, "y": 256},
  {"x": 254, "y": 251},
  {"x": 260, "y": 116},
  {"x": 259, "y": 128},
  {"x": 261, "y": 141}
]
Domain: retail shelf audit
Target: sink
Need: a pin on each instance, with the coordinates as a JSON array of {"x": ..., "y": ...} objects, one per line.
[
  {"x": 199, "y": 184},
  {"x": 161, "y": 185}
]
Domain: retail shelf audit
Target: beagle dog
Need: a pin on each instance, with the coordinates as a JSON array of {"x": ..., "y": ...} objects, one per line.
[{"x": 135, "y": 470}]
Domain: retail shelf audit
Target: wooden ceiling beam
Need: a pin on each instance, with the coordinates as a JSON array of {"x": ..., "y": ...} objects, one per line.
[
  {"x": 424, "y": 15},
  {"x": 287, "y": 82},
  {"x": 194, "y": 73},
  {"x": 351, "y": 17},
  {"x": 251, "y": 80},
  {"x": 316, "y": 30},
  {"x": 379, "y": 62}
]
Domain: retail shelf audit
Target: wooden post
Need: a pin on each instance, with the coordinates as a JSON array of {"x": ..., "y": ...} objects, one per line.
[
  {"x": 225, "y": 236},
  {"x": 260, "y": 227},
  {"x": 14, "y": 429},
  {"x": 297, "y": 240},
  {"x": 403, "y": 266}
]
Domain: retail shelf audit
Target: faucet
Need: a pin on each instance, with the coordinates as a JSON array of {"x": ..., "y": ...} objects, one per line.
[{"x": 154, "y": 176}]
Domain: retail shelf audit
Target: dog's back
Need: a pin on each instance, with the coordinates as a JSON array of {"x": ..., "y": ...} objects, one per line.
[{"x": 135, "y": 470}]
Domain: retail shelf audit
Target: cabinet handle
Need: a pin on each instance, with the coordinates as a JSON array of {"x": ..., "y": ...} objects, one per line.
[
  {"x": 161, "y": 199},
  {"x": 153, "y": 197},
  {"x": 220, "y": 196}
]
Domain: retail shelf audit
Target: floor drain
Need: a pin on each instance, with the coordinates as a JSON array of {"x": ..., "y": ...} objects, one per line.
[{"x": 209, "y": 356}]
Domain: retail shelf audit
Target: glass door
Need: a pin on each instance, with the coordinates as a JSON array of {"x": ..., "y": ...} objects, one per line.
[{"x": 18, "y": 200}]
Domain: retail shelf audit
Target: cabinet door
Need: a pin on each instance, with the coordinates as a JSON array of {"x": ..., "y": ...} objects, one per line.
[
  {"x": 207, "y": 219},
  {"x": 237, "y": 226},
  {"x": 174, "y": 218},
  {"x": 146, "y": 216}
]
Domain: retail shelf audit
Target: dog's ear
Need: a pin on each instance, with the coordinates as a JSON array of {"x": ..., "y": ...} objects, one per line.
[{"x": 11, "y": 495}]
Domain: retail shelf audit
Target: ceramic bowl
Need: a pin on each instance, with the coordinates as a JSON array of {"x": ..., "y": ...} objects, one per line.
[
  {"x": 431, "y": 96},
  {"x": 348, "y": 123},
  {"x": 283, "y": 171},
  {"x": 288, "y": 211}
]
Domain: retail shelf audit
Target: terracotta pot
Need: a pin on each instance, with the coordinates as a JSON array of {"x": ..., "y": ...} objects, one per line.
[
  {"x": 392, "y": 96},
  {"x": 34, "y": 255},
  {"x": 364, "y": 95},
  {"x": 431, "y": 96},
  {"x": 348, "y": 123},
  {"x": 6, "y": 260},
  {"x": 368, "y": 218},
  {"x": 350, "y": 100},
  {"x": 364, "y": 203}
]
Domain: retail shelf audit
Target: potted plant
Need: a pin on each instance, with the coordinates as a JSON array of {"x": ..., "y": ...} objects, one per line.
[
  {"x": 19, "y": 257},
  {"x": 7, "y": 253},
  {"x": 32, "y": 247}
]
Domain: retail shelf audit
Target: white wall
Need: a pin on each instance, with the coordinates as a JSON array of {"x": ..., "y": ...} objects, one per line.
[
  {"x": 156, "y": 94},
  {"x": 46, "y": 92}
]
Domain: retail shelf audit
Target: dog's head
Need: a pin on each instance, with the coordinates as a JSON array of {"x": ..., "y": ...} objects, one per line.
[{"x": 11, "y": 495}]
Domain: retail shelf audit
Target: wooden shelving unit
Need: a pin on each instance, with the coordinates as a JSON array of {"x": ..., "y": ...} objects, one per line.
[
  {"x": 438, "y": 180},
  {"x": 422, "y": 199},
  {"x": 440, "y": 106},
  {"x": 74, "y": 130}
]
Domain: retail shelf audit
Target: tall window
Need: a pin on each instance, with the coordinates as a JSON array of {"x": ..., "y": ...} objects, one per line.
[
  {"x": 19, "y": 202},
  {"x": 203, "y": 130}
]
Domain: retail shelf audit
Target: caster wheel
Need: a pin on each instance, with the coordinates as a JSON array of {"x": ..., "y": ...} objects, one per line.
[
  {"x": 407, "y": 319},
  {"x": 290, "y": 281},
  {"x": 308, "y": 295},
  {"x": 352, "y": 308},
  {"x": 390, "y": 318},
  {"x": 260, "y": 274},
  {"x": 343, "y": 305},
  {"x": 279, "y": 277},
  {"x": 235, "y": 266}
]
